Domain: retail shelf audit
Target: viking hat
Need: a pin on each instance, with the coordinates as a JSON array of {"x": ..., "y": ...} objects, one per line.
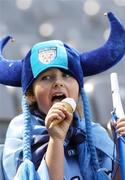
[{"x": 55, "y": 53}]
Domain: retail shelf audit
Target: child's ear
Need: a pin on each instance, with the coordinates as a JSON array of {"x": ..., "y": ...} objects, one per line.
[
  {"x": 32, "y": 99},
  {"x": 30, "y": 96}
]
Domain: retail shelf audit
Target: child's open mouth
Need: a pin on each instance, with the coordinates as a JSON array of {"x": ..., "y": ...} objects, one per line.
[{"x": 58, "y": 97}]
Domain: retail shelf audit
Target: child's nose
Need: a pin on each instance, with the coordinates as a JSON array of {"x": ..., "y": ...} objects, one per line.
[{"x": 58, "y": 83}]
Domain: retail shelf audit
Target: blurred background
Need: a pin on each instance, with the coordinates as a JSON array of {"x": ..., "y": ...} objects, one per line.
[{"x": 79, "y": 23}]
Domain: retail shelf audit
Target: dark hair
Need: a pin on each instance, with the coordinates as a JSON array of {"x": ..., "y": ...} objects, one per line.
[{"x": 30, "y": 99}]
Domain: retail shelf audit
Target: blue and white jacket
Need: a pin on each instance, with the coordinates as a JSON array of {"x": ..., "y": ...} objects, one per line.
[{"x": 12, "y": 155}]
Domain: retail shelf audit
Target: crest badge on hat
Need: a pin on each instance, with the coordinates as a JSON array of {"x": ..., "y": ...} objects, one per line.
[{"x": 47, "y": 55}]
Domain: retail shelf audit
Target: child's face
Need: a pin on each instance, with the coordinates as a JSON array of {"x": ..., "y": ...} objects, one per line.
[{"x": 53, "y": 86}]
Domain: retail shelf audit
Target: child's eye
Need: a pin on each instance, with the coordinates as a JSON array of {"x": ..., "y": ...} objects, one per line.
[
  {"x": 45, "y": 78},
  {"x": 66, "y": 75}
]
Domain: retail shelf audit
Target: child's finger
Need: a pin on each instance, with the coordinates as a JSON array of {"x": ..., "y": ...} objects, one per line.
[
  {"x": 50, "y": 118},
  {"x": 121, "y": 131}
]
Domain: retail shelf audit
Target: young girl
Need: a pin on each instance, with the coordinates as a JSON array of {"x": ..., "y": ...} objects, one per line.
[{"x": 75, "y": 148}]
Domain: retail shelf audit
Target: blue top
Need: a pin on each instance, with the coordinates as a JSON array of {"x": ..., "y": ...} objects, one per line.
[{"x": 12, "y": 155}]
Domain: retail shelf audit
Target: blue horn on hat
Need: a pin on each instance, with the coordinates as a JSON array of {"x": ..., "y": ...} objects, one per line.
[
  {"x": 92, "y": 62},
  {"x": 109, "y": 54},
  {"x": 10, "y": 70}
]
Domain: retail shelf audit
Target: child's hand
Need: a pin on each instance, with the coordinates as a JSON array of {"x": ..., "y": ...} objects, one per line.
[
  {"x": 120, "y": 126},
  {"x": 60, "y": 113}
]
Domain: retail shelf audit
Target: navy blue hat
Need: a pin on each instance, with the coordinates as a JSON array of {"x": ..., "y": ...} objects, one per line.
[
  {"x": 50, "y": 54},
  {"x": 55, "y": 53}
]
